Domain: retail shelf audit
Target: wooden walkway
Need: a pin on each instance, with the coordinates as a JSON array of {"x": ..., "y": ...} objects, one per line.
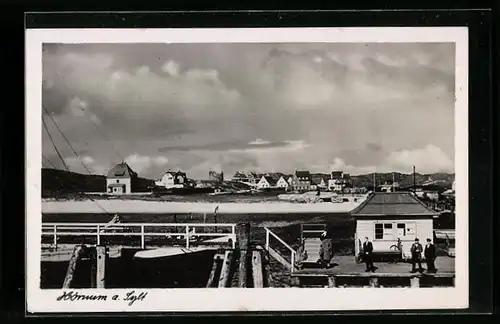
[{"x": 347, "y": 273}]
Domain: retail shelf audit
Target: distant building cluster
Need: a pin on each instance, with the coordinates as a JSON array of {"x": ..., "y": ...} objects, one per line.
[
  {"x": 300, "y": 180},
  {"x": 121, "y": 179}
]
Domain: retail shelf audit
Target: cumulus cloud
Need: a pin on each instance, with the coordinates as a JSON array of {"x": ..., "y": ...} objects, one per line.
[
  {"x": 140, "y": 163},
  {"x": 84, "y": 164},
  {"x": 255, "y": 106},
  {"x": 172, "y": 68},
  {"x": 428, "y": 159}
]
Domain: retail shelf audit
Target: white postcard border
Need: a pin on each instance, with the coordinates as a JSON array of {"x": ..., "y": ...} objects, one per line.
[{"x": 267, "y": 299}]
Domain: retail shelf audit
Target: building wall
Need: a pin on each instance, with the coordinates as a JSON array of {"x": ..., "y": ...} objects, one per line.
[
  {"x": 282, "y": 183},
  {"x": 126, "y": 181},
  {"x": 421, "y": 228},
  {"x": 301, "y": 183},
  {"x": 263, "y": 184}
]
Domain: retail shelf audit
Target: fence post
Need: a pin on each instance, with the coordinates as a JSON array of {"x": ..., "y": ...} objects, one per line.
[
  {"x": 100, "y": 266},
  {"x": 98, "y": 234},
  {"x": 233, "y": 232},
  {"x": 292, "y": 262},
  {"x": 187, "y": 237},
  {"x": 267, "y": 239},
  {"x": 55, "y": 236},
  {"x": 142, "y": 237}
]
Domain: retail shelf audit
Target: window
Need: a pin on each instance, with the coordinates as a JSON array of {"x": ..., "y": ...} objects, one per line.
[
  {"x": 379, "y": 231},
  {"x": 384, "y": 231},
  {"x": 388, "y": 233},
  {"x": 401, "y": 229}
]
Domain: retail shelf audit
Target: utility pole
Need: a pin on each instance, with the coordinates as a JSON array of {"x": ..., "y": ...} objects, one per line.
[
  {"x": 414, "y": 181},
  {"x": 374, "y": 182}
]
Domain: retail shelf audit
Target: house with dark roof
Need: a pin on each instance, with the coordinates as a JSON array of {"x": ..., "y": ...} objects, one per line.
[
  {"x": 172, "y": 179},
  {"x": 121, "y": 179},
  {"x": 301, "y": 181},
  {"x": 240, "y": 176},
  {"x": 385, "y": 217},
  {"x": 319, "y": 181},
  {"x": 253, "y": 177},
  {"x": 267, "y": 182}
]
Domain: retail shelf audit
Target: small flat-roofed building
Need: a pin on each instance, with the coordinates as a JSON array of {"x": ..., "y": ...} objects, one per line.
[{"x": 386, "y": 216}]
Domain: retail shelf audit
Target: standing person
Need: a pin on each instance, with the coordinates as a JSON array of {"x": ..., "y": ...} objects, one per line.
[
  {"x": 368, "y": 255},
  {"x": 325, "y": 250},
  {"x": 430, "y": 256},
  {"x": 416, "y": 256}
]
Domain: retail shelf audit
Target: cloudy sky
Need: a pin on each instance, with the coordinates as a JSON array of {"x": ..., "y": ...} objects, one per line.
[{"x": 256, "y": 107}]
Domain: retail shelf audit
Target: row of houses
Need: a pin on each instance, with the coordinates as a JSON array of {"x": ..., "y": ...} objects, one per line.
[
  {"x": 300, "y": 180},
  {"x": 122, "y": 179}
]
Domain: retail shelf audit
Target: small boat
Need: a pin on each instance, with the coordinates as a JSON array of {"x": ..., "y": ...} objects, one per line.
[{"x": 168, "y": 252}]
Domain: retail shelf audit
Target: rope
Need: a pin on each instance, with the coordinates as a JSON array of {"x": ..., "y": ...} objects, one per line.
[
  {"x": 67, "y": 141},
  {"x": 102, "y": 134},
  {"x": 48, "y": 161},
  {"x": 54, "y": 144},
  {"x": 62, "y": 160}
]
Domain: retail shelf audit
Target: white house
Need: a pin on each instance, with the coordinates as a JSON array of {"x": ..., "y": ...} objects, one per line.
[
  {"x": 336, "y": 185},
  {"x": 386, "y": 216},
  {"x": 389, "y": 187},
  {"x": 282, "y": 183},
  {"x": 172, "y": 179},
  {"x": 266, "y": 182},
  {"x": 120, "y": 179}
]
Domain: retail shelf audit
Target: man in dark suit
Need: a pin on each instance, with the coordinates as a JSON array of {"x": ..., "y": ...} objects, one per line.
[
  {"x": 430, "y": 256},
  {"x": 416, "y": 256},
  {"x": 368, "y": 255}
]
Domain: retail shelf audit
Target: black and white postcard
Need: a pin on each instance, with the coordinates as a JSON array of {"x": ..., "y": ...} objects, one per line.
[{"x": 246, "y": 169}]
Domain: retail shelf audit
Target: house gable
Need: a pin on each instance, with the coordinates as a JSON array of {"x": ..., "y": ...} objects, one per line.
[{"x": 122, "y": 170}]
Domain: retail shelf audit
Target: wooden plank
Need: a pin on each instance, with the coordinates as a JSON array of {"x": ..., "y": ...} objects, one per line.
[
  {"x": 374, "y": 282},
  {"x": 267, "y": 270},
  {"x": 370, "y": 275},
  {"x": 332, "y": 282},
  {"x": 101, "y": 266},
  {"x": 226, "y": 270},
  {"x": 93, "y": 267},
  {"x": 216, "y": 262},
  {"x": 257, "y": 273},
  {"x": 415, "y": 282},
  {"x": 75, "y": 257},
  {"x": 277, "y": 256},
  {"x": 243, "y": 233}
]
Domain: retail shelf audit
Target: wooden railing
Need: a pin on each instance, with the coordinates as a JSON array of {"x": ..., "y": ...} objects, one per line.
[
  {"x": 141, "y": 230},
  {"x": 269, "y": 236}
]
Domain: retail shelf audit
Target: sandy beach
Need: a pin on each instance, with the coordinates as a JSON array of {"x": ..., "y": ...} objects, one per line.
[{"x": 139, "y": 206}]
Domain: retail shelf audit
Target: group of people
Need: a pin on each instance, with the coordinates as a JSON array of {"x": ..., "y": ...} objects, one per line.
[{"x": 416, "y": 256}]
